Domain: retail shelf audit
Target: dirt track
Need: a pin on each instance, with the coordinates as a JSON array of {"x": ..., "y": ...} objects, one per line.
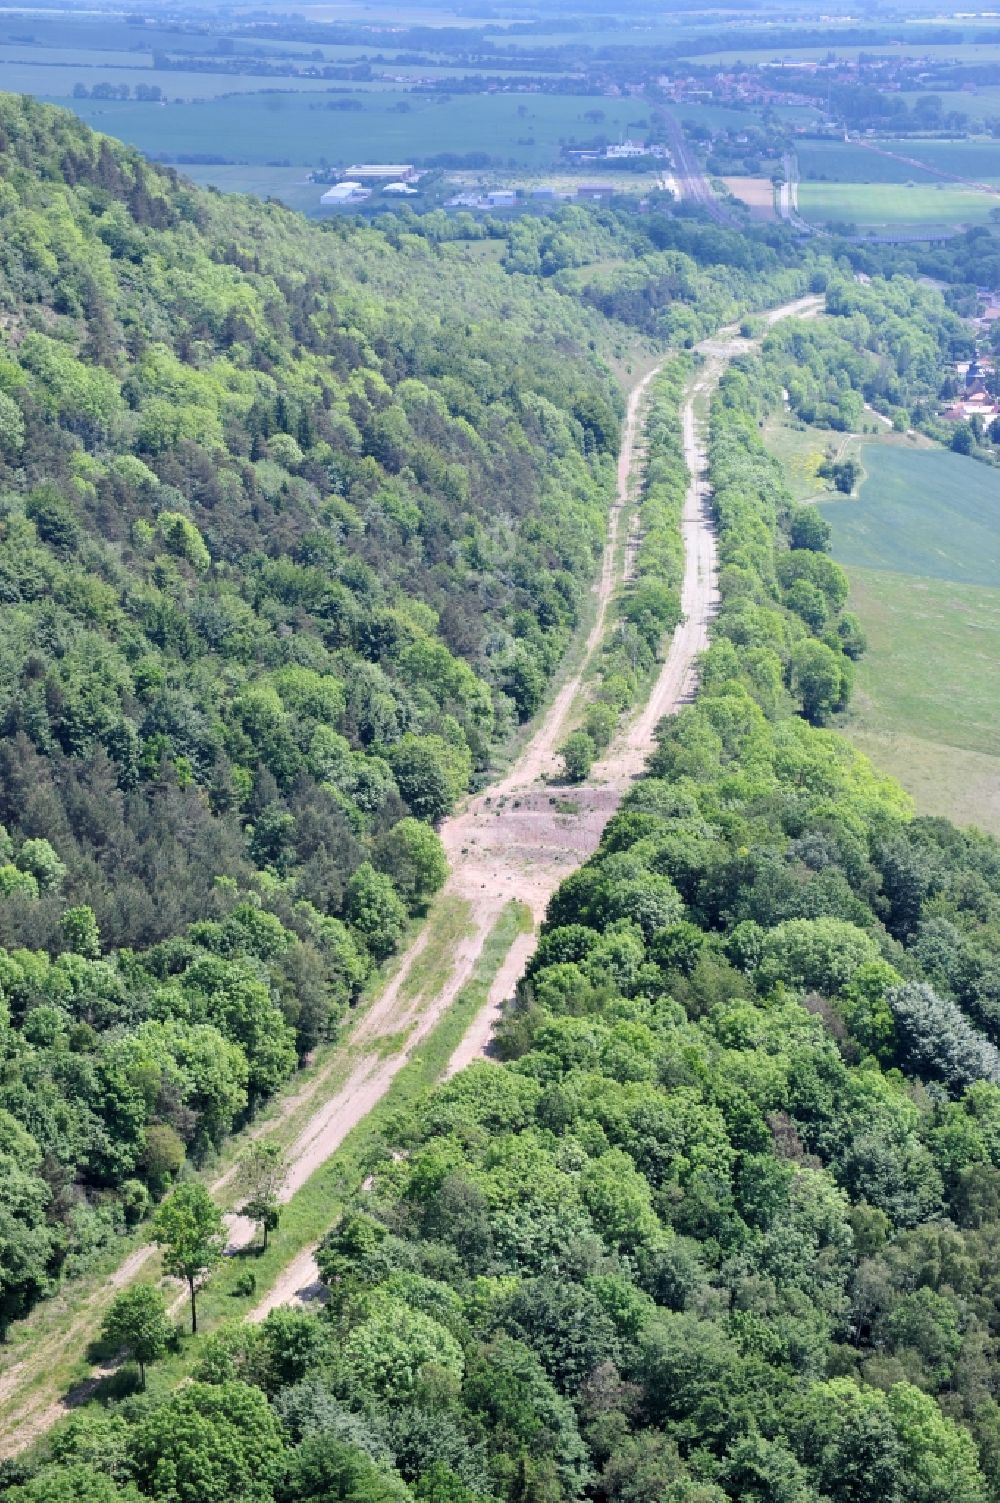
[{"x": 518, "y": 840}]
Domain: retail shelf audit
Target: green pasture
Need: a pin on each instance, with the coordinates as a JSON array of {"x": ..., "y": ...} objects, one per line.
[
  {"x": 930, "y": 206},
  {"x": 391, "y": 125},
  {"x": 926, "y": 692},
  {"x": 933, "y": 663},
  {"x": 944, "y": 780},
  {"x": 922, "y": 548}
]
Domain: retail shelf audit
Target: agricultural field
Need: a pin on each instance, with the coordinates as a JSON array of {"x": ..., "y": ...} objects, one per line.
[
  {"x": 288, "y": 184},
  {"x": 944, "y": 51},
  {"x": 756, "y": 192},
  {"x": 922, "y": 550},
  {"x": 932, "y": 206},
  {"x": 245, "y": 89},
  {"x": 851, "y": 162},
  {"x": 54, "y": 82},
  {"x": 978, "y": 160},
  {"x": 718, "y": 117},
  {"x": 381, "y": 125}
]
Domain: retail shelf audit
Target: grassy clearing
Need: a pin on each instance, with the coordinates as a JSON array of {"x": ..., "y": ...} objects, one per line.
[
  {"x": 801, "y": 449},
  {"x": 311, "y": 1212},
  {"x": 877, "y": 205},
  {"x": 962, "y": 786},
  {"x": 448, "y": 923}
]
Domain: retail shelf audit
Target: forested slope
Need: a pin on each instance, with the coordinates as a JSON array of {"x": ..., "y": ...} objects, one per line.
[
  {"x": 295, "y": 524},
  {"x": 723, "y": 1224}
]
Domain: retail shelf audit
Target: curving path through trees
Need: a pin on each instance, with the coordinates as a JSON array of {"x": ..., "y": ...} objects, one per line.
[{"x": 517, "y": 840}]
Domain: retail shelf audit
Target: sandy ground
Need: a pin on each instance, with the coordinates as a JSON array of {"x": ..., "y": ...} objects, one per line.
[{"x": 518, "y": 840}]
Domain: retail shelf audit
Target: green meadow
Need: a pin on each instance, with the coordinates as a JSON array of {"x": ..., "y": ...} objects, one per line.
[{"x": 922, "y": 547}]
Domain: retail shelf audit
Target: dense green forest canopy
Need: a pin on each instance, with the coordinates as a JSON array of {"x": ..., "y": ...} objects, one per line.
[
  {"x": 722, "y": 1225},
  {"x": 296, "y": 524}
]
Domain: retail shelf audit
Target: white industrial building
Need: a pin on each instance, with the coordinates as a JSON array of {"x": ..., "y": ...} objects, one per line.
[{"x": 345, "y": 192}]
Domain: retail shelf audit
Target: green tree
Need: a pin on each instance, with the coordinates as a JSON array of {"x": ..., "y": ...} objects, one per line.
[
  {"x": 137, "y": 1321},
  {"x": 80, "y": 932},
  {"x": 325, "y": 1467},
  {"x": 209, "y": 1444},
  {"x": 432, "y": 773},
  {"x": 183, "y": 538},
  {"x": 188, "y": 1226},
  {"x": 375, "y": 909},
  {"x": 73, "y": 1483},
  {"x": 38, "y": 858},
  {"x": 818, "y": 679},
  {"x": 810, "y": 529},
  {"x": 261, "y": 1172},
  {"x": 412, "y": 854},
  {"x": 384, "y": 1353},
  {"x": 577, "y": 753}
]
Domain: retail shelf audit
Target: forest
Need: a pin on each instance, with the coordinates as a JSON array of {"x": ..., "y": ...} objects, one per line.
[
  {"x": 298, "y": 523},
  {"x": 722, "y": 1223},
  {"x": 294, "y": 532}
]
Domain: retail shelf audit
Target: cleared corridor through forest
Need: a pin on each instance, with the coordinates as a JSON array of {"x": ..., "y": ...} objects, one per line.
[{"x": 519, "y": 839}]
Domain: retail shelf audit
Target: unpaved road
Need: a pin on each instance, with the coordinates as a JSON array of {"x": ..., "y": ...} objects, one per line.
[{"x": 518, "y": 840}]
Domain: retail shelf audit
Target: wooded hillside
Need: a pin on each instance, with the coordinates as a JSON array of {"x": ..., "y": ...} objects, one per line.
[{"x": 295, "y": 524}]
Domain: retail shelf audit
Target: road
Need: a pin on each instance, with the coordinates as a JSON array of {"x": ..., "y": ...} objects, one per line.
[
  {"x": 788, "y": 198},
  {"x": 512, "y": 841}
]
